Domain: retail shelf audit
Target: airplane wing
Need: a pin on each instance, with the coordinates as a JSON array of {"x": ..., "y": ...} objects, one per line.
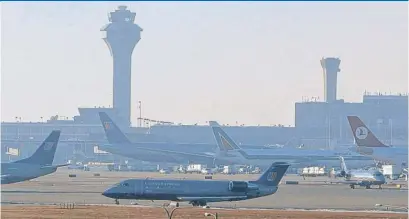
[
  {"x": 355, "y": 182},
  {"x": 198, "y": 155},
  {"x": 54, "y": 166},
  {"x": 213, "y": 199}
]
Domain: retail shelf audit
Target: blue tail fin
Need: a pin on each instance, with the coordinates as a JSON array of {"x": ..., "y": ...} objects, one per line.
[
  {"x": 273, "y": 175},
  {"x": 112, "y": 131},
  {"x": 44, "y": 155},
  {"x": 224, "y": 142}
]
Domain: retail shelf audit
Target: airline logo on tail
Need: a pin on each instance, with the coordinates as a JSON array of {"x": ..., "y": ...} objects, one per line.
[
  {"x": 363, "y": 136},
  {"x": 226, "y": 144},
  {"x": 361, "y": 132},
  {"x": 107, "y": 125},
  {"x": 272, "y": 176},
  {"x": 48, "y": 145}
]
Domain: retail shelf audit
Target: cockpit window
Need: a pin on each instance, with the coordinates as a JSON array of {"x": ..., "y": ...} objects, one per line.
[
  {"x": 377, "y": 174},
  {"x": 125, "y": 184}
]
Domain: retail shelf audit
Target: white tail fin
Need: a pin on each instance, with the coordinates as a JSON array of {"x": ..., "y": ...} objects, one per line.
[
  {"x": 363, "y": 136},
  {"x": 224, "y": 142}
]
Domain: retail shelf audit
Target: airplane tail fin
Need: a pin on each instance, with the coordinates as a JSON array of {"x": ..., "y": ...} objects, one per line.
[
  {"x": 112, "y": 131},
  {"x": 224, "y": 142},
  {"x": 273, "y": 175},
  {"x": 362, "y": 135},
  {"x": 44, "y": 155}
]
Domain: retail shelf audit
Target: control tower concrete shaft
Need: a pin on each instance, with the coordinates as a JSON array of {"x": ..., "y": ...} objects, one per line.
[
  {"x": 122, "y": 34},
  {"x": 330, "y": 67}
]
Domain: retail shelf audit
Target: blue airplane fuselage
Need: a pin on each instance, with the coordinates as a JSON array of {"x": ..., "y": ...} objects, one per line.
[
  {"x": 177, "y": 190},
  {"x": 18, "y": 172}
]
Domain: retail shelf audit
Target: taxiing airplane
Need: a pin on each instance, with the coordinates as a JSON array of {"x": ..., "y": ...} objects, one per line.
[
  {"x": 229, "y": 150},
  {"x": 364, "y": 178},
  {"x": 39, "y": 164},
  {"x": 199, "y": 192},
  {"x": 368, "y": 145}
]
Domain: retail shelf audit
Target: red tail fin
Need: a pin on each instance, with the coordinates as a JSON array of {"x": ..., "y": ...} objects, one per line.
[{"x": 363, "y": 136}]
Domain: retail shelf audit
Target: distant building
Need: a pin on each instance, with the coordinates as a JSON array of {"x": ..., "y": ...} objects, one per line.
[{"x": 322, "y": 123}]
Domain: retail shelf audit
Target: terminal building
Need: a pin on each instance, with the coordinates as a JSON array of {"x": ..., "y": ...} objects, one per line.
[{"x": 317, "y": 124}]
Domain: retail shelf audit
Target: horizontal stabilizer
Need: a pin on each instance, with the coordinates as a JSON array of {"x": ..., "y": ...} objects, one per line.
[{"x": 54, "y": 166}]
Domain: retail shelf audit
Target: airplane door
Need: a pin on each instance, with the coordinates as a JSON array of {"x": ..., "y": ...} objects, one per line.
[
  {"x": 139, "y": 187},
  {"x": 142, "y": 187}
]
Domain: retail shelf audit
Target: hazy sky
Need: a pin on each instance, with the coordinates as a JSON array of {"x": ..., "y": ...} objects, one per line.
[{"x": 200, "y": 61}]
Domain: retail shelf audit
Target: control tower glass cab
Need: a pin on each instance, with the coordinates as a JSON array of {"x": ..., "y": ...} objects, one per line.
[
  {"x": 330, "y": 67},
  {"x": 122, "y": 34}
]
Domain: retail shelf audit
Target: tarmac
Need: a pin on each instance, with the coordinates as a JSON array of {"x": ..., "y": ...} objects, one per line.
[{"x": 314, "y": 193}]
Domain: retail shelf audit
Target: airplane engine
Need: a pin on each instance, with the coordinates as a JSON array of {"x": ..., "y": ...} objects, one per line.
[{"x": 238, "y": 186}]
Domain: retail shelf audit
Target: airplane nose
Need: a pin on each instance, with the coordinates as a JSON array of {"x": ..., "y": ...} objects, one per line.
[{"x": 107, "y": 193}]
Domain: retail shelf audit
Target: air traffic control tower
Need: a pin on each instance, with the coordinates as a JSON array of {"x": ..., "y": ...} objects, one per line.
[
  {"x": 330, "y": 67},
  {"x": 122, "y": 34}
]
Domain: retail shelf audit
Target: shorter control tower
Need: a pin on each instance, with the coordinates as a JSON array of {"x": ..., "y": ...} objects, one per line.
[
  {"x": 122, "y": 34},
  {"x": 330, "y": 67}
]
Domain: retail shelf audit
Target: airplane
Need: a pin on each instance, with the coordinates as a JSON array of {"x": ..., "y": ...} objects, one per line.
[
  {"x": 364, "y": 178},
  {"x": 231, "y": 151},
  {"x": 369, "y": 145},
  {"x": 199, "y": 192},
  {"x": 152, "y": 152},
  {"x": 174, "y": 153},
  {"x": 38, "y": 164}
]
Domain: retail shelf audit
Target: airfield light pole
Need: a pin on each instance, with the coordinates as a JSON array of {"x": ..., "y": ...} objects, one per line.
[{"x": 171, "y": 212}]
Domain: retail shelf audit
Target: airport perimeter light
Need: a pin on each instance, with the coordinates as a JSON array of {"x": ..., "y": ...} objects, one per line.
[{"x": 209, "y": 215}]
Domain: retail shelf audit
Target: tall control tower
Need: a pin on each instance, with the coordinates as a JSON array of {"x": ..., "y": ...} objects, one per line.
[
  {"x": 122, "y": 34},
  {"x": 330, "y": 67}
]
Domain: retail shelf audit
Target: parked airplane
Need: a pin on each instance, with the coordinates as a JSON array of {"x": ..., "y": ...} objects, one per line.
[
  {"x": 368, "y": 145},
  {"x": 152, "y": 152},
  {"x": 199, "y": 192},
  {"x": 39, "y": 164},
  {"x": 230, "y": 150},
  {"x": 174, "y": 153},
  {"x": 361, "y": 177}
]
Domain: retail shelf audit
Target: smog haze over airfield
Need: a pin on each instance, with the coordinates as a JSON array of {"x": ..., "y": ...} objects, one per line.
[{"x": 199, "y": 61}]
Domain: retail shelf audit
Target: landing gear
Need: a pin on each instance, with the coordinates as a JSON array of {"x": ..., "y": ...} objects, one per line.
[
  {"x": 352, "y": 186},
  {"x": 198, "y": 203},
  {"x": 380, "y": 186},
  {"x": 367, "y": 187},
  {"x": 116, "y": 202}
]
